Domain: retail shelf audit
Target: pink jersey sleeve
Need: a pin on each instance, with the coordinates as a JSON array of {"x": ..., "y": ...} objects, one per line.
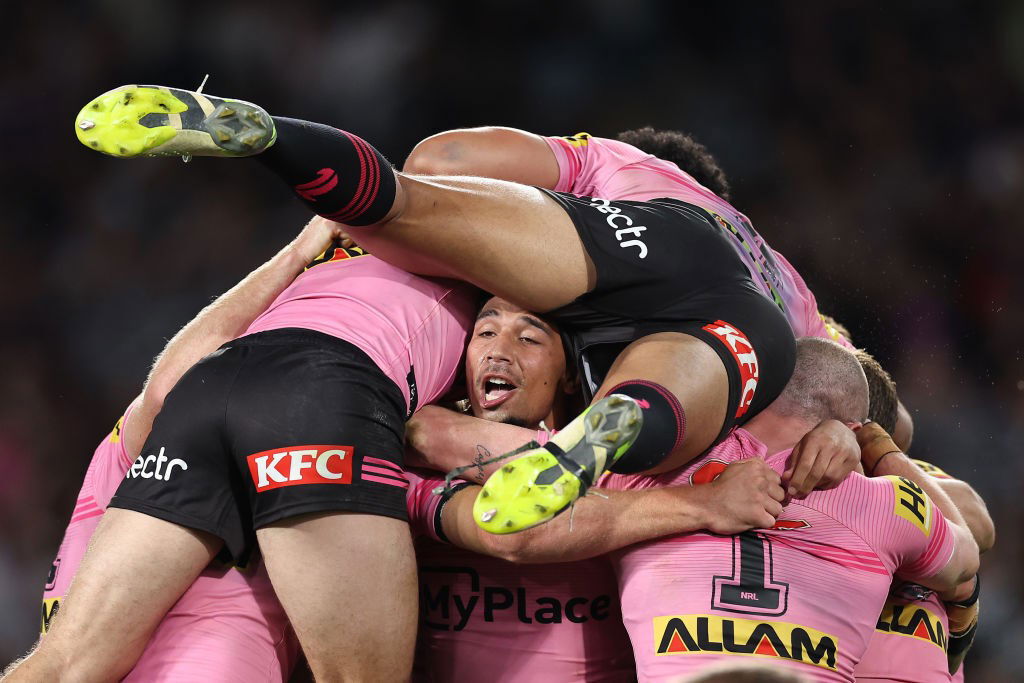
[
  {"x": 897, "y": 519},
  {"x": 586, "y": 163}
]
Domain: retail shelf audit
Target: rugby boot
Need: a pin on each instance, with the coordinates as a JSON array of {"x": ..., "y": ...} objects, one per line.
[
  {"x": 543, "y": 482},
  {"x": 149, "y": 120}
]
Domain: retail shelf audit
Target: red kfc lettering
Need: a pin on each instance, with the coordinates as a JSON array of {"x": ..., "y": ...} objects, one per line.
[{"x": 746, "y": 360}]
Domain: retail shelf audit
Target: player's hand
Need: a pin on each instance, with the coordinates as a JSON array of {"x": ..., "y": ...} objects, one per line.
[
  {"x": 418, "y": 430},
  {"x": 316, "y": 237},
  {"x": 747, "y": 494},
  {"x": 822, "y": 459}
]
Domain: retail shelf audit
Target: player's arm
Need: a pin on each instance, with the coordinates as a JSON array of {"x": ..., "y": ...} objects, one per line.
[
  {"x": 746, "y": 495},
  {"x": 881, "y": 457},
  {"x": 440, "y": 439},
  {"x": 490, "y": 152},
  {"x": 223, "y": 320},
  {"x": 968, "y": 502}
]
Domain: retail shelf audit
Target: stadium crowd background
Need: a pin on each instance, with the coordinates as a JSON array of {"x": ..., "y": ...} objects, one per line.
[{"x": 880, "y": 149}]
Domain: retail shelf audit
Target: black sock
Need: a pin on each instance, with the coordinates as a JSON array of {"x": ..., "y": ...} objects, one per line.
[
  {"x": 663, "y": 430},
  {"x": 336, "y": 174}
]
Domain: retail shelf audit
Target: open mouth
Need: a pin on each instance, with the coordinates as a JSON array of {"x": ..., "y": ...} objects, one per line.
[{"x": 496, "y": 391}]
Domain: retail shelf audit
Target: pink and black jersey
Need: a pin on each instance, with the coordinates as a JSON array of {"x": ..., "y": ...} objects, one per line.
[
  {"x": 806, "y": 593},
  {"x": 485, "y": 619},
  {"x": 228, "y": 626},
  {"x": 609, "y": 169},
  {"x": 413, "y": 328}
]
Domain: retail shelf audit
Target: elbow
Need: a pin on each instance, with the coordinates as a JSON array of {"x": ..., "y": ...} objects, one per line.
[
  {"x": 518, "y": 548},
  {"x": 975, "y": 513},
  {"x": 970, "y": 562},
  {"x": 985, "y": 532},
  {"x": 508, "y": 547},
  {"x": 980, "y": 522}
]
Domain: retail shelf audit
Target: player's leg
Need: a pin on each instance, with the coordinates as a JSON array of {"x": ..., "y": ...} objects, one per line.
[
  {"x": 683, "y": 388},
  {"x": 511, "y": 240},
  {"x": 354, "y": 607},
  {"x": 229, "y": 627},
  {"x": 171, "y": 514},
  {"x": 317, "y": 429},
  {"x": 135, "y": 569}
]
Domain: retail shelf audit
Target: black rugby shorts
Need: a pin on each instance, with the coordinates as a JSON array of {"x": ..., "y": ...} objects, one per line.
[
  {"x": 666, "y": 266},
  {"x": 272, "y": 425}
]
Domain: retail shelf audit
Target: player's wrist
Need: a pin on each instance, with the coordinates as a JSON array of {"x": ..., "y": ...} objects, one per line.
[
  {"x": 691, "y": 507},
  {"x": 875, "y": 444},
  {"x": 966, "y": 595}
]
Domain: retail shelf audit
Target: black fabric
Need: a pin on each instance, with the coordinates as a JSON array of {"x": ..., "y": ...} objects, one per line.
[
  {"x": 336, "y": 174},
  {"x": 272, "y": 425},
  {"x": 678, "y": 273},
  {"x": 664, "y": 427}
]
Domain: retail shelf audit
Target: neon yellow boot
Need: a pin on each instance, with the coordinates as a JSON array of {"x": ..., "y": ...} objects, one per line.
[
  {"x": 544, "y": 481},
  {"x": 149, "y": 120}
]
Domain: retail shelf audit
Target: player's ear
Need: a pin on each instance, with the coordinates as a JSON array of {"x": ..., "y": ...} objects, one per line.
[{"x": 570, "y": 380}]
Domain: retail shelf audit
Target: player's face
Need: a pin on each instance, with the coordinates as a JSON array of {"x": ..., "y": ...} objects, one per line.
[{"x": 515, "y": 365}]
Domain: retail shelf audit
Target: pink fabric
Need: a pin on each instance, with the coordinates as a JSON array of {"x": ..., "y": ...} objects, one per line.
[
  {"x": 486, "y": 620},
  {"x": 228, "y": 626},
  {"x": 609, "y": 169},
  {"x": 400, "y": 320},
  {"x": 829, "y": 563},
  {"x": 909, "y": 642}
]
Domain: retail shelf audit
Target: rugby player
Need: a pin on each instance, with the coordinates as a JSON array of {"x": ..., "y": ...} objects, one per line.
[
  {"x": 808, "y": 591},
  {"x": 292, "y": 435},
  {"x": 641, "y": 164},
  {"x": 919, "y": 636},
  {"x": 559, "y": 621},
  {"x": 251, "y": 640},
  {"x": 706, "y": 352}
]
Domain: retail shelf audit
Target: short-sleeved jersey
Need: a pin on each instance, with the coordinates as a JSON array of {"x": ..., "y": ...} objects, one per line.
[
  {"x": 228, "y": 626},
  {"x": 609, "y": 169},
  {"x": 806, "y": 593},
  {"x": 485, "y": 619},
  {"x": 911, "y": 637},
  {"x": 414, "y": 328}
]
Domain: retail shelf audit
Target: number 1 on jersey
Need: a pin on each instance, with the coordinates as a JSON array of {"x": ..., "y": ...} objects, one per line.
[{"x": 751, "y": 589}]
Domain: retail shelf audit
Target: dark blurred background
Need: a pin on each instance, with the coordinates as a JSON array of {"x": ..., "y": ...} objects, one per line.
[{"x": 879, "y": 146}]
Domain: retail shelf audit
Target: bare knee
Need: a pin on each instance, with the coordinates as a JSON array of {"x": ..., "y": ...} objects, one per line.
[{"x": 437, "y": 155}]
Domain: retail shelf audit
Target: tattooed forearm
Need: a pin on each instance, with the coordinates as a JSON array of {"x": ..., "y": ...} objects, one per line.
[{"x": 482, "y": 454}]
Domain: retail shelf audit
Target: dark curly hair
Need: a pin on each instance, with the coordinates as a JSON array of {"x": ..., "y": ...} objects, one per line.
[{"x": 684, "y": 152}]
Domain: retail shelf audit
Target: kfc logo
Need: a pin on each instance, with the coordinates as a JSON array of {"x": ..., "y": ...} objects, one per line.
[
  {"x": 294, "y": 465},
  {"x": 746, "y": 360}
]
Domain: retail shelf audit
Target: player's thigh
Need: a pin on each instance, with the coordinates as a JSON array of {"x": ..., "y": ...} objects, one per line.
[
  {"x": 512, "y": 240},
  {"x": 348, "y": 584},
  {"x": 136, "y": 568},
  {"x": 690, "y": 369},
  {"x": 228, "y": 627}
]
